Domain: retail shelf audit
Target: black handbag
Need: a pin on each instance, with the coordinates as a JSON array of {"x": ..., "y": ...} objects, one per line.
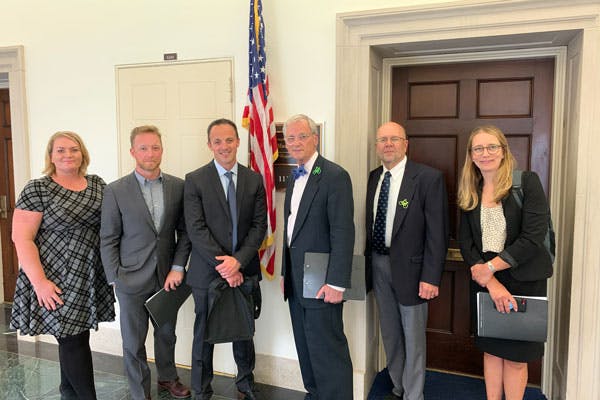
[{"x": 232, "y": 310}]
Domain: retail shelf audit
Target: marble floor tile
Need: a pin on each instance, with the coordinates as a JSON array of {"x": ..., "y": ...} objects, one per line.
[{"x": 30, "y": 371}]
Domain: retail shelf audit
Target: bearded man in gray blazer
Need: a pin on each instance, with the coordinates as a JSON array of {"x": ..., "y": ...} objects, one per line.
[
  {"x": 144, "y": 247},
  {"x": 226, "y": 221}
]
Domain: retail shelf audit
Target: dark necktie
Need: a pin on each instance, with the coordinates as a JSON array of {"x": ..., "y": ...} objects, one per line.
[
  {"x": 299, "y": 171},
  {"x": 232, "y": 209},
  {"x": 379, "y": 226}
]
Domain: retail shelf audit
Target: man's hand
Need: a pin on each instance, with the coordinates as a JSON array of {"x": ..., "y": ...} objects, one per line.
[
  {"x": 228, "y": 267},
  {"x": 481, "y": 274},
  {"x": 236, "y": 279},
  {"x": 330, "y": 295},
  {"x": 48, "y": 294},
  {"x": 428, "y": 291},
  {"x": 173, "y": 279}
]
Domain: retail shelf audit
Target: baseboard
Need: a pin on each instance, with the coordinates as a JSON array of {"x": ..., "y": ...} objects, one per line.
[{"x": 278, "y": 371}]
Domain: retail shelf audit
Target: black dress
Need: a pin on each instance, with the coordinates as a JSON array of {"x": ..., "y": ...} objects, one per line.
[{"x": 68, "y": 242}]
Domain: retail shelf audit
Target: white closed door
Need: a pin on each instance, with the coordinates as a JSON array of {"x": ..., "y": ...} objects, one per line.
[{"x": 181, "y": 99}]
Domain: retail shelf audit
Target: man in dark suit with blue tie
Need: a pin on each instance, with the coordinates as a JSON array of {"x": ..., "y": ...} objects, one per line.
[
  {"x": 144, "y": 247},
  {"x": 226, "y": 220},
  {"x": 318, "y": 215},
  {"x": 407, "y": 238}
]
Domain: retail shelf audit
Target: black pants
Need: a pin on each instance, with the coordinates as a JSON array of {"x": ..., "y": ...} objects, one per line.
[
  {"x": 202, "y": 354},
  {"x": 76, "y": 368}
]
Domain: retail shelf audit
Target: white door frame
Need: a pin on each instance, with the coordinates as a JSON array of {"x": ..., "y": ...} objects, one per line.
[
  {"x": 358, "y": 113},
  {"x": 12, "y": 61},
  {"x": 559, "y": 54}
]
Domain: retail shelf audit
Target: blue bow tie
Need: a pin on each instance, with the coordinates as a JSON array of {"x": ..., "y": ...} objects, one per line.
[{"x": 299, "y": 171}]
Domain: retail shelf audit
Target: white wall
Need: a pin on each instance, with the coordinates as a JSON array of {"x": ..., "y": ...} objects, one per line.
[{"x": 72, "y": 47}]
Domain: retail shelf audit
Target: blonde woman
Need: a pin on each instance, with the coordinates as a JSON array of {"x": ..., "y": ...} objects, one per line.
[
  {"x": 61, "y": 287},
  {"x": 503, "y": 244}
]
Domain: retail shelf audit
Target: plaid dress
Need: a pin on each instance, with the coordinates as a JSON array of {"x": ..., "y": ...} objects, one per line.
[{"x": 68, "y": 242}]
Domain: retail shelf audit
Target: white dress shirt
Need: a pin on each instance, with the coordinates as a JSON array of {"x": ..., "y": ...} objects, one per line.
[
  {"x": 224, "y": 180},
  {"x": 395, "y": 183},
  {"x": 299, "y": 187}
]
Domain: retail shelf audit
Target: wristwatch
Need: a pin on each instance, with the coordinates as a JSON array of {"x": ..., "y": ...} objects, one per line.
[{"x": 491, "y": 266}]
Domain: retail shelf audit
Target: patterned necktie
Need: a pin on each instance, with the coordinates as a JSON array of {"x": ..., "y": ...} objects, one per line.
[
  {"x": 299, "y": 171},
  {"x": 232, "y": 208},
  {"x": 379, "y": 226}
]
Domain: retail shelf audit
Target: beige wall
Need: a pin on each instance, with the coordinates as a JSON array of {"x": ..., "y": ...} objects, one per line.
[{"x": 72, "y": 47}]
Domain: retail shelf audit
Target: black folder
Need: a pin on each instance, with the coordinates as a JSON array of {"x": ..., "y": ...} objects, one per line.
[
  {"x": 163, "y": 306},
  {"x": 531, "y": 324},
  {"x": 315, "y": 271}
]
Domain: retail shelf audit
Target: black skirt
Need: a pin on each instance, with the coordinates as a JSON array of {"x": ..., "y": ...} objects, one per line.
[{"x": 513, "y": 350}]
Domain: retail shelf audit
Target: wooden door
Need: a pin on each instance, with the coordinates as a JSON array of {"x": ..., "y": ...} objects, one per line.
[
  {"x": 439, "y": 105},
  {"x": 10, "y": 266},
  {"x": 181, "y": 99}
]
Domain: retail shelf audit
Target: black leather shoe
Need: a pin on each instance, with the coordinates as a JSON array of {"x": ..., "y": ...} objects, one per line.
[{"x": 246, "y": 395}]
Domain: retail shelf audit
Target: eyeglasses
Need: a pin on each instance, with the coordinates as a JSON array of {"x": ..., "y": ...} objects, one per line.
[
  {"x": 393, "y": 139},
  {"x": 491, "y": 149},
  {"x": 301, "y": 138}
]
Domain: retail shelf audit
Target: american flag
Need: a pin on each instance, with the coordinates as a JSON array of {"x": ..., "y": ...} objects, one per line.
[{"x": 258, "y": 119}]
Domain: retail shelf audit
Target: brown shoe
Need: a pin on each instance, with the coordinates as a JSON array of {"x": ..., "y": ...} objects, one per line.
[{"x": 175, "y": 388}]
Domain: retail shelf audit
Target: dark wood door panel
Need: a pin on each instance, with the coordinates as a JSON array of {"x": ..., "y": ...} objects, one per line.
[{"x": 10, "y": 264}]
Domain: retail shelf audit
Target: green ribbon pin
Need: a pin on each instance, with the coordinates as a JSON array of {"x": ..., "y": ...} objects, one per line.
[{"x": 316, "y": 170}]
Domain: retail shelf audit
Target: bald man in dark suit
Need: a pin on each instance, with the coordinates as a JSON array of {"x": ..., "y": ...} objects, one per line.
[{"x": 407, "y": 239}]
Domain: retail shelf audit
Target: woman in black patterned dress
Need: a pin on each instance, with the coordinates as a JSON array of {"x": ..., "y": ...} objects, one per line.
[{"x": 61, "y": 288}]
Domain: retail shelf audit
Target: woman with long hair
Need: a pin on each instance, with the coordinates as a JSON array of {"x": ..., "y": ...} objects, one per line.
[{"x": 502, "y": 242}]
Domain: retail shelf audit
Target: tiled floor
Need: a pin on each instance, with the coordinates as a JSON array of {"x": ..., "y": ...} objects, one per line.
[{"x": 31, "y": 371}]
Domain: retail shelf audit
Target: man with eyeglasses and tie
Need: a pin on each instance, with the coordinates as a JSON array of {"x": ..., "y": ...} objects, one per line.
[
  {"x": 407, "y": 239},
  {"x": 318, "y": 217},
  {"x": 226, "y": 220}
]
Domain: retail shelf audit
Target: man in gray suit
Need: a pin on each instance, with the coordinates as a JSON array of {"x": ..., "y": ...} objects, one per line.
[
  {"x": 318, "y": 214},
  {"x": 144, "y": 248},
  {"x": 226, "y": 220}
]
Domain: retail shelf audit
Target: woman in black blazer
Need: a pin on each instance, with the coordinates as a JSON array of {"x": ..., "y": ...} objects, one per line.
[{"x": 503, "y": 244}]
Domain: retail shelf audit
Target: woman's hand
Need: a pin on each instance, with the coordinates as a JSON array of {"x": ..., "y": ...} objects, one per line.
[
  {"x": 481, "y": 274},
  {"x": 501, "y": 297},
  {"x": 48, "y": 294}
]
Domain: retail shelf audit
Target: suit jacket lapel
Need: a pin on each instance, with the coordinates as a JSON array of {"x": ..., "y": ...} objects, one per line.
[
  {"x": 287, "y": 205},
  {"x": 312, "y": 187},
  {"x": 139, "y": 199},
  {"x": 476, "y": 218},
  {"x": 407, "y": 191},
  {"x": 216, "y": 183},
  {"x": 166, "y": 183},
  {"x": 371, "y": 189},
  {"x": 240, "y": 190}
]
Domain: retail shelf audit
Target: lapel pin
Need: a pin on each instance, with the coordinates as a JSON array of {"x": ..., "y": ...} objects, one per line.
[
  {"x": 316, "y": 170},
  {"x": 403, "y": 203}
]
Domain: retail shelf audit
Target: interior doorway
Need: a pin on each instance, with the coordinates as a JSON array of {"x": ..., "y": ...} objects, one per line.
[
  {"x": 439, "y": 104},
  {"x": 10, "y": 266}
]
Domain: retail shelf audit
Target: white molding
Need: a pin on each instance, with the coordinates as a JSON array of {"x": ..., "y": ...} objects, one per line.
[
  {"x": 12, "y": 60},
  {"x": 358, "y": 32}
]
